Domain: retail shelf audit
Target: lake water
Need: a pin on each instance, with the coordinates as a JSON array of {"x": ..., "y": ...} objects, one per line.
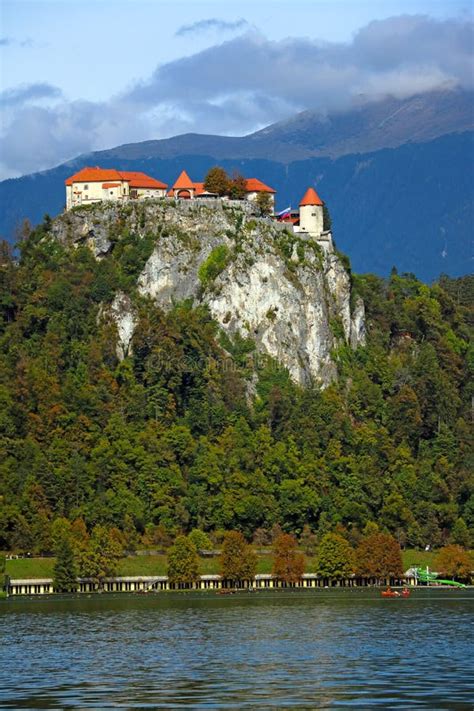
[{"x": 318, "y": 649}]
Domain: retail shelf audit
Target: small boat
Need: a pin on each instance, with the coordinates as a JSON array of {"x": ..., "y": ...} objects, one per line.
[{"x": 394, "y": 593}]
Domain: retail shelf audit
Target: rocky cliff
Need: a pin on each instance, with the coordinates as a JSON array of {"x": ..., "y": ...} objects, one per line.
[{"x": 291, "y": 296}]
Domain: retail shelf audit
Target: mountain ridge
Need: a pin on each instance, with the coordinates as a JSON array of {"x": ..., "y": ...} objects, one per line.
[
  {"x": 420, "y": 118},
  {"x": 408, "y": 205}
]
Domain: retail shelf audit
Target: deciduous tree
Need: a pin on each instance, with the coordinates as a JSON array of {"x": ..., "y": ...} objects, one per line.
[
  {"x": 288, "y": 563},
  {"x": 183, "y": 561},
  {"x": 237, "y": 186},
  {"x": 217, "y": 181},
  {"x": 264, "y": 203},
  {"x": 238, "y": 560},
  {"x": 379, "y": 556},
  {"x": 100, "y": 559},
  {"x": 200, "y": 539},
  {"x": 335, "y": 557},
  {"x": 454, "y": 562}
]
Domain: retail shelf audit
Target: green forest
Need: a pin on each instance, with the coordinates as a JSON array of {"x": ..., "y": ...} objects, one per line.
[{"x": 172, "y": 438}]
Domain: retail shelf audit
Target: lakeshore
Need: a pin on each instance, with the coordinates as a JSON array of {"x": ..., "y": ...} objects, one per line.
[{"x": 144, "y": 564}]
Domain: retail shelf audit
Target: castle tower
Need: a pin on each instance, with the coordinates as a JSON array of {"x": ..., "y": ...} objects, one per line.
[
  {"x": 184, "y": 187},
  {"x": 311, "y": 213}
]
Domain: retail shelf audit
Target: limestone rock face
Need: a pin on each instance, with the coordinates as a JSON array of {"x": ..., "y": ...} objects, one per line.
[
  {"x": 289, "y": 294},
  {"x": 123, "y": 313}
]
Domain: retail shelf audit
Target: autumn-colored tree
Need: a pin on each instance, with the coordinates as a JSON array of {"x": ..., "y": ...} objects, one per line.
[
  {"x": 264, "y": 203},
  {"x": 288, "y": 563},
  {"x": 183, "y": 561},
  {"x": 237, "y": 186},
  {"x": 170, "y": 438},
  {"x": 335, "y": 557},
  {"x": 238, "y": 560},
  {"x": 79, "y": 536},
  {"x": 454, "y": 562},
  {"x": 217, "y": 181},
  {"x": 379, "y": 556}
]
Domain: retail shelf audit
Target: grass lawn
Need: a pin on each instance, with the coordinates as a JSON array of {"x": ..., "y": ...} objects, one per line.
[
  {"x": 30, "y": 568},
  {"x": 411, "y": 557},
  {"x": 156, "y": 564}
]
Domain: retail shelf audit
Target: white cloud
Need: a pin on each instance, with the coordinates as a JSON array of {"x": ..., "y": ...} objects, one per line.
[{"x": 241, "y": 85}]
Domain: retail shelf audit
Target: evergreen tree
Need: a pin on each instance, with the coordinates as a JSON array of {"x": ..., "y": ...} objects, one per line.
[
  {"x": 461, "y": 534},
  {"x": 183, "y": 561},
  {"x": 65, "y": 570},
  {"x": 327, "y": 222},
  {"x": 2, "y": 572}
]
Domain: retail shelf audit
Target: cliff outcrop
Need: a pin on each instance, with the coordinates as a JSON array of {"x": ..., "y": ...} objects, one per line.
[{"x": 290, "y": 295}]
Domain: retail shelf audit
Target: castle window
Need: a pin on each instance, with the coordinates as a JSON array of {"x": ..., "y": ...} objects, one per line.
[{"x": 86, "y": 187}]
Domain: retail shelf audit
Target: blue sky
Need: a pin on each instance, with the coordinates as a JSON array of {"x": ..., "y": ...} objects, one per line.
[{"x": 80, "y": 76}]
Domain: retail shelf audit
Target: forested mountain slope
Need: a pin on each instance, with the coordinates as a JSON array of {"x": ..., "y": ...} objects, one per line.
[{"x": 171, "y": 437}]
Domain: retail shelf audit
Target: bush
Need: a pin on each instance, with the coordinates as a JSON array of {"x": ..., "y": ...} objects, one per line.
[{"x": 215, "y": 263}]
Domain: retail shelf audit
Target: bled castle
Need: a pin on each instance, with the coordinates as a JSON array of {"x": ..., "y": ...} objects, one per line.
[{"x": 91, "y": 185}]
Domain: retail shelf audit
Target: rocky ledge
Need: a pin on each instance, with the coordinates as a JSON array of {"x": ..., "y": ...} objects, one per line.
[{"x": 291, "y": 295}]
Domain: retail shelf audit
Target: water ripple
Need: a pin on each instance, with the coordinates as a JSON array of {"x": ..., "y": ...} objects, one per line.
[{"x": 307, "y": 650}]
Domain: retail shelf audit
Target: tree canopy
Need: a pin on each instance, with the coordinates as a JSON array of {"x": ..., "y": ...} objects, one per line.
[
  {"x": 379, "y": 556},
  {"x": 183, "y": 561},
  {"x": 238, "y": 559},
  {"x": 170, "y": 438},
  {"x": 288, "y": 563},
  {"x": 335, "y": 557}
]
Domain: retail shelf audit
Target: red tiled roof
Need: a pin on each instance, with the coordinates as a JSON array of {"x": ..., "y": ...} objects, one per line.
[
  {"x": 199, "y": 187},
  {"x": 110, "y": 185},
  {"x": 183, "y": 182},
  {"x": 94, "y": 175},
  {"x": 100, "y": 175},
  {"x": 256, "y": 186},
  {"x": 311, "y": 197},
  {"x": 141, "y": 180}
]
